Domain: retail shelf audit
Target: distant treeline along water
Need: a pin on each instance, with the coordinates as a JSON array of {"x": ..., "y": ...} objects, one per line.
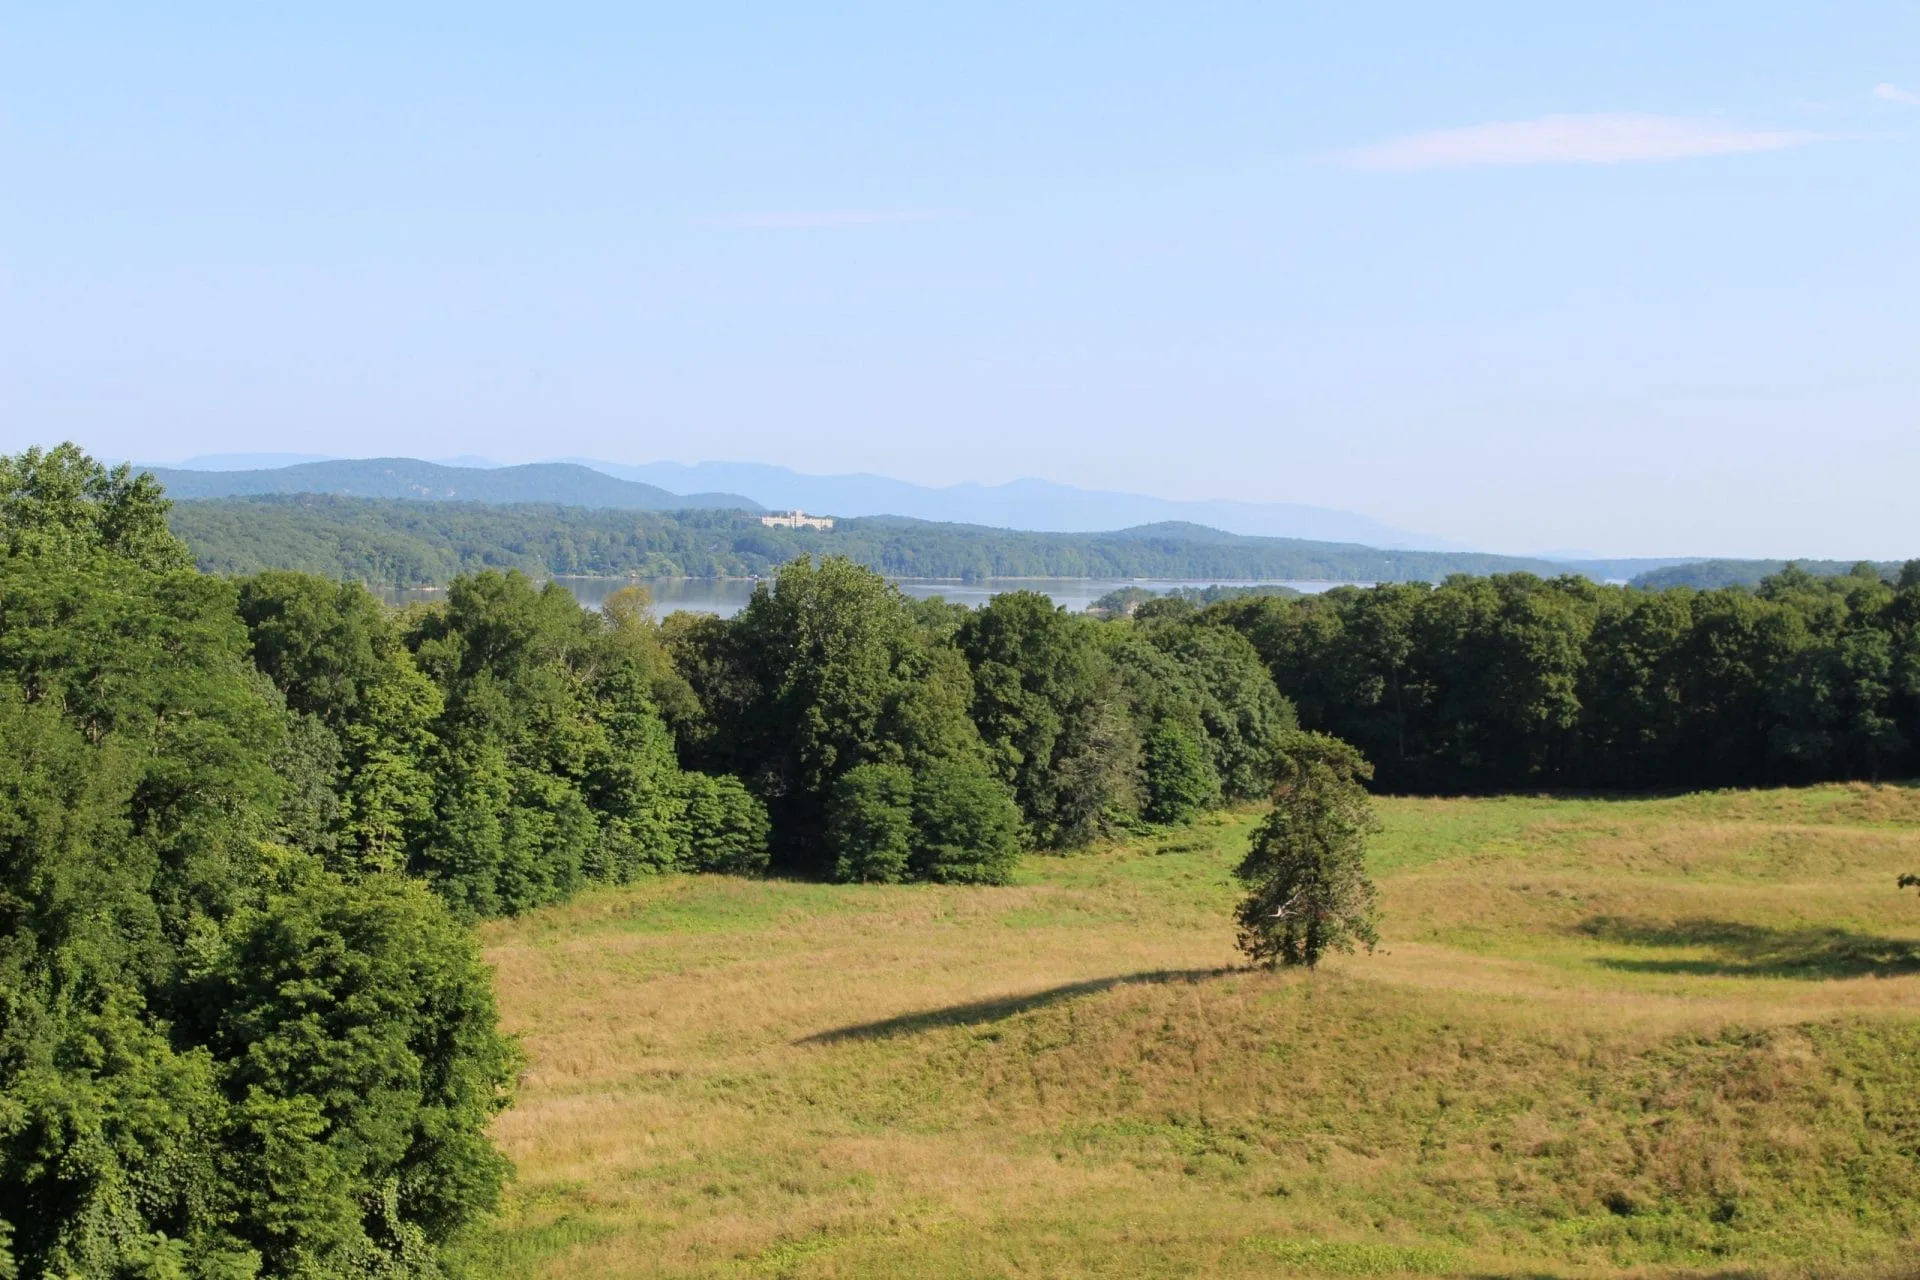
[
  {"x": 407, "y": 543},
  {"x": 404, "y": 543}
]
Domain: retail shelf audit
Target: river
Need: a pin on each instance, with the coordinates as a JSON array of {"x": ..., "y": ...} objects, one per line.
[{"x": 727, "y": 596}]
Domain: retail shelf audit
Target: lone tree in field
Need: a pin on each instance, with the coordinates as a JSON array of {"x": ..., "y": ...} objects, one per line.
[{"x": 1306, "y": 874}]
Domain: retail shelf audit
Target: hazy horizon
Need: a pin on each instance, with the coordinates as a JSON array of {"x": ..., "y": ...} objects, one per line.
[
  {"x": 227, "y": 462},
  {"x": 1619, "y": 278}
]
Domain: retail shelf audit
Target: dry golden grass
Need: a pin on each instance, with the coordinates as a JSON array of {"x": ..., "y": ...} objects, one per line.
[{"x": 1673, "y": 1037}]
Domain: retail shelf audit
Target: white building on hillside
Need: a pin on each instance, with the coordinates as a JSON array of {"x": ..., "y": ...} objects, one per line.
[{"x": 797, "y": 519}]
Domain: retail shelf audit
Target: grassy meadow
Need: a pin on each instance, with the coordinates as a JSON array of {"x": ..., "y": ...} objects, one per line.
[{"x": 1648, "y": 1038}]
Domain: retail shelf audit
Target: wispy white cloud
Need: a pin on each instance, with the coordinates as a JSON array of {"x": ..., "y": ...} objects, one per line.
[
  {"x": 825, "y": 219},
  {"x": 1894, "y": 93},
  {"x": 1603, "y": 138}
]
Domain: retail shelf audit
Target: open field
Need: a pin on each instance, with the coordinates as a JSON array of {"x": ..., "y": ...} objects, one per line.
[{"x": 1676, "y": 1036}]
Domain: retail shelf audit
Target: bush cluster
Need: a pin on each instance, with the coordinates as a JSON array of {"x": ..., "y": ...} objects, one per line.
[{"x": 899, "y": 740}]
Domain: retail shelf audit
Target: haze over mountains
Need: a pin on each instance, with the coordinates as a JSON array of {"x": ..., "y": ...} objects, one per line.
[
  {"x": 1037, "y": 505},
  {"x": 560, "y": 483},
  {"x": 960, "y": 512}
]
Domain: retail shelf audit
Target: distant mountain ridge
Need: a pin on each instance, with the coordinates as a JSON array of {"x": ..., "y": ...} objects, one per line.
[
  {"x": 1040, "y": 506},
  {"x": 1035, "y": 506},
  {"x": 557, "y": 483}
]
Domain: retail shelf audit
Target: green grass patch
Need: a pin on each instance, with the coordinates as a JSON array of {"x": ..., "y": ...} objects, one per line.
[{"x": 1673, "y": 1037}]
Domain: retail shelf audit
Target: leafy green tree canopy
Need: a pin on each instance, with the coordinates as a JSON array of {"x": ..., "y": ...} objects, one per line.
[
  {"x": 61, "y": 504},
  {"x": 1307, "y": 886}
]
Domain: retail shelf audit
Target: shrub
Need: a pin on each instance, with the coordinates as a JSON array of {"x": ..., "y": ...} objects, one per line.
[
  {"x": 967, "y": 824},
  {"x": 1181, "y": 779},
  {"x": 870, "y": 824},
  {"x": 725, "y": 826}
]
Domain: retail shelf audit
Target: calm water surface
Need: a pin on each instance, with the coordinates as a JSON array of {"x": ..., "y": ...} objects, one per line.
[{"x": 727, "y": 596}]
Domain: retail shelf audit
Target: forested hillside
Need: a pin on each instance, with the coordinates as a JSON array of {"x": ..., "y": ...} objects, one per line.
[
  {"x": 563, "y": 483},
  {"x": 402, "y": 543},
  {"x": 1707, "y": 574}
]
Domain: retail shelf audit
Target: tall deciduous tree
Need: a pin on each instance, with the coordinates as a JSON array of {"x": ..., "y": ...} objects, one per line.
[
  {"x": 218, "y": 1057},
  {"x": 828, "y": 670},
  {"x": 1052, "y": 712}
]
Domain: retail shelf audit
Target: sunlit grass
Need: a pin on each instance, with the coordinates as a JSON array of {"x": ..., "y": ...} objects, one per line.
[{"x": 1673, "y": 1036}]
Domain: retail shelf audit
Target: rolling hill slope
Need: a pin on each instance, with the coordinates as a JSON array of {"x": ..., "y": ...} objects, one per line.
[{"x": 1669, "y": 1039}]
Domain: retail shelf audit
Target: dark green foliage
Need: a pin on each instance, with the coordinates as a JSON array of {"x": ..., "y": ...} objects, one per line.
[
  {"x": 1214, "y": 594},
  {"x": 1181, "y": 780},
  {"x": 1306, "y": 876},
  {"x": 550, "y": 763},
  {"x": 1126, "y": 602},
  {"x": 966, "y": 826},
  {"x": 1095, "y": 791},
  {"x": 1706, "y": 575},
  {"x": 359, "y": 1024},
  {"x": 828, "y": 670},
  {"x": 339, "y": 658},
  {"x": 1049, "y": 706},
  {"x": 1169, "y": 608},
  {"x": 506, "y": 744},
  {"x": 1517, "y": 682},
  {"x": 870, "y": 824},
  {"x": 1122, "y": 602},
  {"x": 1240, "y": 709},
  {"x": 217, "y": 1056},
  {"x": 725, "y": 826}
]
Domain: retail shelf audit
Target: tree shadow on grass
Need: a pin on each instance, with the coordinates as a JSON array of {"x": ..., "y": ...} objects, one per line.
[
  {"x": 1741, "y": 1274},
  {"x": 981, "y": 1011},
  {"x": 1755, "y": 951}
]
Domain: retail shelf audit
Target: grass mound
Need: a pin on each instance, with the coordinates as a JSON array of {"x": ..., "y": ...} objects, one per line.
[{"x": 1603, "y": 1037}]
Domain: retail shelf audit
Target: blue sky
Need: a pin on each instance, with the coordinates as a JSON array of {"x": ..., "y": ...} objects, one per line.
[{"x": 1629, "y": 277}]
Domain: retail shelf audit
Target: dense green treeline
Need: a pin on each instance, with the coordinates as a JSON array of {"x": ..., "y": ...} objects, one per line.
[
  {"x": 895, "y": 739},
  {"x": 244, "y": 1028},
  {"x": 1705, "y": 575},
  {"x": 1491, "y": 684},
  {"x": 400, "y": 543}
]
